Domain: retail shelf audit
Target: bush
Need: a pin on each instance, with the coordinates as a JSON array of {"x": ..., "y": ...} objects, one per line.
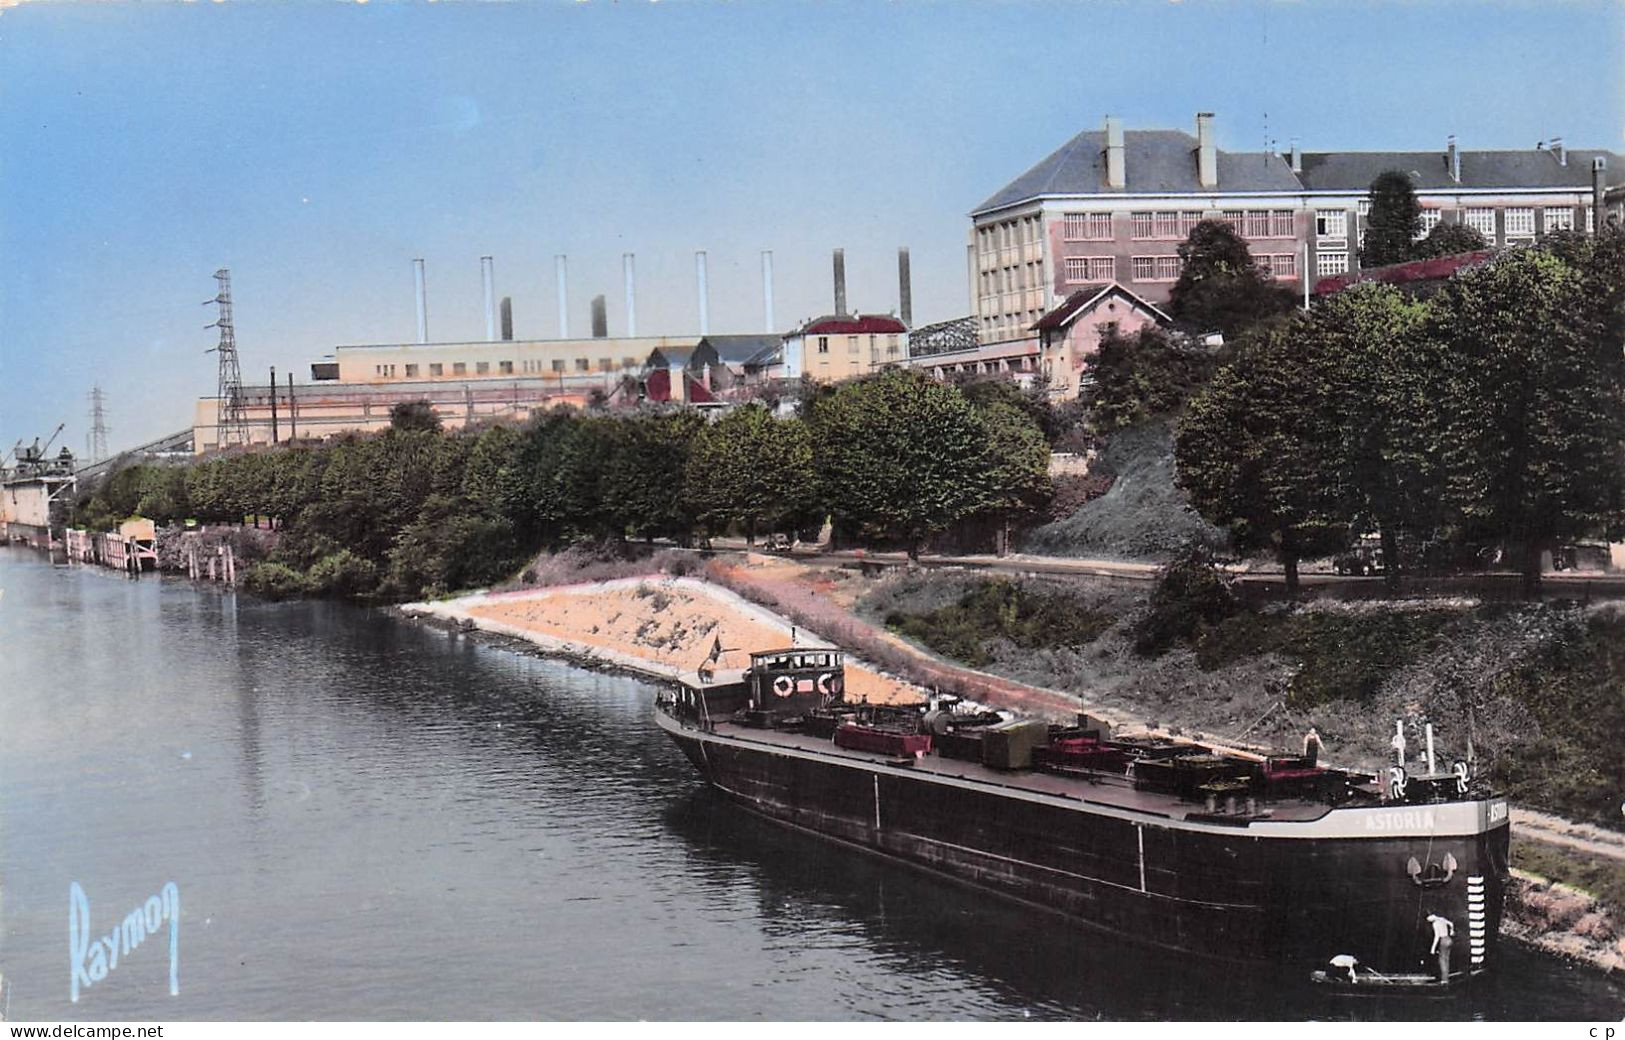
[
  {"x": 1073, "y": 491},
  {"x": 993, "y": 610},
  {"x": 343, "y": 574},
  {"x": 274, "y": 581},
  {"x": 1191, "y": 594}
]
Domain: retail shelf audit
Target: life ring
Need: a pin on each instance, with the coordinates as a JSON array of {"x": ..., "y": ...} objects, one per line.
[
  {"x": 829, "y": 684},
  {"x": 783, "y": 686}
]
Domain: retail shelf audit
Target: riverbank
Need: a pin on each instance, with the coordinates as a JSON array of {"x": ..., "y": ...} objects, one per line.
[{"x": 655, "y": 626}]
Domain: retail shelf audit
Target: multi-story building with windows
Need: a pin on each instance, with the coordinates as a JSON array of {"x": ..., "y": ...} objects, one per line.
[{"x": 1114, "y": 205}]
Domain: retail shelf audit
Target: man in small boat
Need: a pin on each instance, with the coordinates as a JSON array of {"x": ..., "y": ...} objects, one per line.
[{"x": 1443, "y": 935}]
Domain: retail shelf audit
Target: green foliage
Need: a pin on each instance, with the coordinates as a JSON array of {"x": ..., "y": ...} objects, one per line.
[
  {"x": 1253, "y": 448},
  {"x": 342, "y": 574},
  {"x": 899, "y": 456},
  {"x": 1340, "y": 656},
  {"x": 1449, "y": 240},
  {"x": 752, "y": 472},
  {"x": 414, "y": 416},
  {"x": 1575, "y": 693},
  {"x": 996, "y": 610},
  {"x": 643, "y": 474},
  {"x": 1191, "y": 595},
  {"x": 275, "y": 581},
  {"x": 1534, "y": 434},
  {"x": 1134, "y": 378},
  {"x": 1017, "y": 472},
  {"x": 1600, "y": 876},
  {"x": 1393, "y": 223},
  {"x": 1220, "y": 287},
  {"x": 1385, "y": 380}
]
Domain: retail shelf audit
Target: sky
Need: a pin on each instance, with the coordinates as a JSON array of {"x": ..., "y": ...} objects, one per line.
[{"x": 316, "y": 148}]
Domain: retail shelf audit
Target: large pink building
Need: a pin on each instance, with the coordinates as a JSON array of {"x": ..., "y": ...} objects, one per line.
[{"x": 1113, "y": 205}]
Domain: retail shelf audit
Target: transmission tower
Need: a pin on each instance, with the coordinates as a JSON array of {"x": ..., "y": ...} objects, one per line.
[
  {"x": 98, "y": 424},
  {"x": 233, "y": 424}
]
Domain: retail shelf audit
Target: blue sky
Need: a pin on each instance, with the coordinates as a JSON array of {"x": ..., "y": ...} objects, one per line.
[{"x": 316, "y": 148}]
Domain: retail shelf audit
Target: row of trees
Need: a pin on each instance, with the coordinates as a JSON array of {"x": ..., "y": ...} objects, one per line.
[
  {"x": 897, "y": 458},
  {"x": 1491, "y": 415}
]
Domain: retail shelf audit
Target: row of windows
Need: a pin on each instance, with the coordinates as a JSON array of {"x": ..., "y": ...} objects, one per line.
[
  {"x": 1008, "y": 233},
  {"x": 1011, "y": 279},
  {"x": 1279, "y": 223},
  {"x": 1016, "y": 364},
  {"x": 1262, "y": 223},
  {"x": 852, "y": 345},
  {"x": 1084, "y": 269},
  {"x": 482, "y": 368},
  {"x": 1519, "y": 220}
]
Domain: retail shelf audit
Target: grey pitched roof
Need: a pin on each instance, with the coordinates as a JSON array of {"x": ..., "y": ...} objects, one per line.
[
  {"x": 1430, "y": 171},
  {"x": 1155, "y": 162},
  {"x": 1164, "y": 162},
  {"x": 737, "y": 350},
  {"x": 672, "y": 355}
]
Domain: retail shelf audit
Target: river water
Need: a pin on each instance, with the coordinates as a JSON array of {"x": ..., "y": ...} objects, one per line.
[{"x": 366, "y": 818}]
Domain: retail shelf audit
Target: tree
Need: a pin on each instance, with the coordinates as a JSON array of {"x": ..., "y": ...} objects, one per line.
[
  {"x": 643, "y": 475},
  {"x": 414, "y": 415},
  {"x": 1534, "y": 402},
  {"x": 1256, "y": 450},
  {"x": 1382, "y": 375},
  {"x": 1130, "y": 379},
  {"x": 1220, "y": 287},
  {"x": 1394, "y": 222},
  {"x": 1450, "y": 239},
  {"x": 1017, "y": 466},
  {"x": 898, "y": 455},
  {"x": 751, "y": 470}
]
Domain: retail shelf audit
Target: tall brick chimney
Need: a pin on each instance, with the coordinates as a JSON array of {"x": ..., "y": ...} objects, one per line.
[{"x": 840, "y": 281}]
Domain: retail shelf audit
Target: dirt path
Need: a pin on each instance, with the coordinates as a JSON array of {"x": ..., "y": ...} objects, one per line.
[{"x": 1555, "y": 830}]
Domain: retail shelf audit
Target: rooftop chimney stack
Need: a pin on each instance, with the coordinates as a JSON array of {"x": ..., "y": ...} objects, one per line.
[
  {"x": 704, "y": 293},
  {"x": 1599, "y": 192},
  {"x": 1455, "y": 158},
  {"x": 564, "y": 296},
  {"x": 487, "y": 277},
  {"x": 423, "y": 302},
  {"x": 840, "y": 281},
  {"x": 1297, "y": 157},
  {"x": 600, "y": 318},
  {"x": 767, "y": 290},
  {"x": 630, "y": 277},
  {"x": 1116, "y": 167},
  {"x": 1559, "y": 151},
  {"x": 507, "y": 319},
  {"x": 1207, "y": 152},
  {"x": 905, "y": 292}
]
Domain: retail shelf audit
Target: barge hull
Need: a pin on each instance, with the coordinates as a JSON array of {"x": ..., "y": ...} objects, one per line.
[{"x": 1225, "y": 893}]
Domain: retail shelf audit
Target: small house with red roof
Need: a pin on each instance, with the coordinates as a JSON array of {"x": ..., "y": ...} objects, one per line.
[
  {"x": 843, "y": 346},
  {"x": 1071, "y": 332}
]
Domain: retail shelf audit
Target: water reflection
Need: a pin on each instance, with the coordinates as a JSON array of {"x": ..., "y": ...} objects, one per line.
[{"x": 374, "y": 819}]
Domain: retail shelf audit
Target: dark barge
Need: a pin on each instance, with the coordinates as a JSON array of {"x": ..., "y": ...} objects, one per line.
[{"x": 1355, "y": 881}]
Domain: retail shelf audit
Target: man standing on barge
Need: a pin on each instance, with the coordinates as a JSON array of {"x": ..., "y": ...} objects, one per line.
[{"x": 1443, "y": 935}]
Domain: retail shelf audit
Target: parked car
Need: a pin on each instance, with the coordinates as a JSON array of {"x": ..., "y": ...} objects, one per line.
[{"x": 1364, "y": 558}]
